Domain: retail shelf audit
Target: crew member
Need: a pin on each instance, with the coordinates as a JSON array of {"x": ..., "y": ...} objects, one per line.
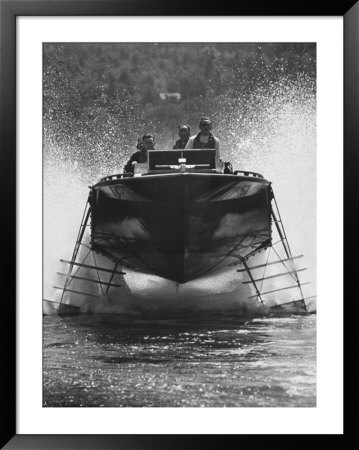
[
  {"x": 184, "y": 132},
  {"x": 205, "y": 139},
  {"x": 147, "y": 143}
]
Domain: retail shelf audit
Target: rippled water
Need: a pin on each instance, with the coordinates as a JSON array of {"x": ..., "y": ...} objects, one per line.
[{"x": 183, "y": 361}]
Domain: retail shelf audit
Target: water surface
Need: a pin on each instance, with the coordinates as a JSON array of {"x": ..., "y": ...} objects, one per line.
[{"x": 216, "y": 360}]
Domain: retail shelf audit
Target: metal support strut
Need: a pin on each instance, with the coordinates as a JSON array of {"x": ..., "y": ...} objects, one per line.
[
  {"x": 281, "y": 260},
  {"x": 252, "y": 280},
  {"x": 280, "y": 228},
  {"x": 84, "y": 220}
]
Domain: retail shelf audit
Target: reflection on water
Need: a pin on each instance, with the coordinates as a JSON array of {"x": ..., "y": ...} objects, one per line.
[{"x": 184, "y": 360}]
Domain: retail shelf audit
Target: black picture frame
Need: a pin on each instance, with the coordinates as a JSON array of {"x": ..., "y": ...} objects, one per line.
[{"x": 9, "y": 10}]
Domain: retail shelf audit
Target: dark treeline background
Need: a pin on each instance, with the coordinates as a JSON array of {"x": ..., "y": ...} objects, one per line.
[{"x": 98, "y": 98}]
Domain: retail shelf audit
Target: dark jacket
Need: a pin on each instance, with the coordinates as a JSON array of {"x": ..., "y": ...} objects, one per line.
[
  {"x": 198, "y": 144},
  {"x": 140, "y": 157},
  {"x": 180, "y": 143}
]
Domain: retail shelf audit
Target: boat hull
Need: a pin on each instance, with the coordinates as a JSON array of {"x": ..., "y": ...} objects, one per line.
[{"x": 180, "y": 226}]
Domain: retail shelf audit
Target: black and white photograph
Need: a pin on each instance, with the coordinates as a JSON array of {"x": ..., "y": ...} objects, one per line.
[
  {"x": 179, "y": 224},
  {"x": 173, "y": 228}
]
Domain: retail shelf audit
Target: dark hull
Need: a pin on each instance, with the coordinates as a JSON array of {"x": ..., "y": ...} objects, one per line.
[{"x": 180, "y": 226}]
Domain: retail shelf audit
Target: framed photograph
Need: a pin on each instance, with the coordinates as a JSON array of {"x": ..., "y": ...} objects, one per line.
[{"x": 189, "y": 349}]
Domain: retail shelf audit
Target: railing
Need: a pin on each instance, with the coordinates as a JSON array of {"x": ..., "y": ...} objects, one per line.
[
  {"x": 248, "y": 173},
  {"x": 118, "y": 176}
]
